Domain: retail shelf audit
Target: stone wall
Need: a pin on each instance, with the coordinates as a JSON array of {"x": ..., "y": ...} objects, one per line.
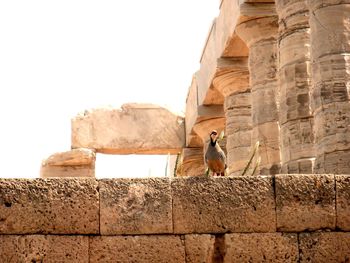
[{"x": 281, "y": 218}]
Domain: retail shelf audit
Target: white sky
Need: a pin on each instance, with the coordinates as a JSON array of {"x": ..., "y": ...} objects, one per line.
[{"x": 58, "y": 58}]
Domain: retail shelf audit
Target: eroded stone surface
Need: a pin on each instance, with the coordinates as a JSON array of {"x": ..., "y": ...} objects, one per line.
[
  {"x": 135, "y": 128},
  {"x": 220, "y": 205},
  {"x": 324, "y": 247},
  {"x": 305, "y": 202},
  {"x": 75, "y": 163},
  {"x": 343, "y": 201},
  {"x": 57, "y": 206},
  {"x": 261, "y": 247},
  {"x": 137, "y": 249},
  {"x": 199, "y": 248},
  {"x": 135, "y": 206},
  {"x": 41, "y": 248}
]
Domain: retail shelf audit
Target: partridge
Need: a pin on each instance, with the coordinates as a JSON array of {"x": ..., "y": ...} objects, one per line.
[{"x": 214, "y": 156}]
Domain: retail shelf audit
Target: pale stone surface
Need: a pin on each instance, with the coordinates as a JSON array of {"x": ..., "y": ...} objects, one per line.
[
  {"x": 343, "y": 201},
  {"x": 56, "y": 206},
  {"x": 135, "y": 128},
  {"x": 135, "y": 206},
  {"x": 261, "y": 247},
  {"x": 199, "y": 248},
  {"x": 330, "y": 56},
  {"x": 269, "y": 150},
  {"x": 140, "y": 249},
  {"x": 75, "y": 163},
  {"x": 226, "y": 204},
  {"x": 192, "y": 162},
  {"x": 324, "y": 247},
  {"x": 305, "y": 202},
  {"x": 301, "y": 166},
  {"x": 41, "y": 248},
  {"x": 260, "y": 35}
]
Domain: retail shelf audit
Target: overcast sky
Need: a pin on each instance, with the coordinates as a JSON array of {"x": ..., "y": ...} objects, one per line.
[{"x": 58, "y": 58}]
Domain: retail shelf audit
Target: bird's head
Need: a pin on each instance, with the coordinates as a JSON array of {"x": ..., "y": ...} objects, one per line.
[{"x": 213, "y": 136}]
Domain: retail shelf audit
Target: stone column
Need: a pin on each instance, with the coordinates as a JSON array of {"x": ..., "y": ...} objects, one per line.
[
  {"x": 295, "y": 115},
  {"x": 260, "y": 36},
  {"x": 233, "y": 83},
  {"x": 330, "y": 56}
]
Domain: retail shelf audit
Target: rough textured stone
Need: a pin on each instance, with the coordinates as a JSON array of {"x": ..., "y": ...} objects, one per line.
[
  {"x": 135, "y": 206},
  {"x": 40, "y": 248},
  {"x": 343, "y": 201},
  {"x": 57, "y": 206},
  {"x": 199, "y": 248},
  {"x": 137, "y": 249},
  {"x": 330, "y": 58},
  {"x": 226, "y": 204},
  {"x": 192, "y": 162},
  {"x": 260, "y": 35},
  {"x": 74, "y": 163},
  {"x": 135, "y": 128},
  {"x": 305, "y": 202},
  {"x": 262, "y": 247},
  {"x": 324, "y": 247}
]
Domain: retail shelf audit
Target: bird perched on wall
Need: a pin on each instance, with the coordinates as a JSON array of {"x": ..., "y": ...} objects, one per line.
[{"x": 214, "y": 156}]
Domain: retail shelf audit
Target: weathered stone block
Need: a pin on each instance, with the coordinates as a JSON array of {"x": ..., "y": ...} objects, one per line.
[
  {"x": 297, "y": 140},
  {"x": 226, "y": 204},
  {"x": 40, "y": 248},
  {"x": 199, "y": 248},
  {"x": 135, "y": 128},
  {"x": 343, "y": 201},
  {"x": 261, "y": 247},
  {"x": 135, "y": 206},
  {"x": 192, "y": 162},
  {"x": 305, "y": 202},
  {"x": 74, "y": 163},
  {"x": 137, "y": 249},
  {"x": 324, "y": 247},
  {"x": 264, "y": 108},
  {"x": 336, "y": 162},
  {"x": 302, "y": 166},
  {"x": 57, "y": 206}
]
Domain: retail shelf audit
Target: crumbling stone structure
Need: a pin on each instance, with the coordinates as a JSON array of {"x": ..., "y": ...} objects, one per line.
[
  {"x": 273, "y": 72},
  {"x": 282, "y": 218}
]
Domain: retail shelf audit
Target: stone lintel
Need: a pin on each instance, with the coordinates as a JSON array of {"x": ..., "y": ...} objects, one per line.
[{"x": 133, "y": 129}]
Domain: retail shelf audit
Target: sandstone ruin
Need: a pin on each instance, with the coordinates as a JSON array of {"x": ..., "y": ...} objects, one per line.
[{"x": 273, "y": 72}]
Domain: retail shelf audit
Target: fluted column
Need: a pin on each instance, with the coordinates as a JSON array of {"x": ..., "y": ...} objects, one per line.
[
  {"x": 233, "y": 83},
  {"x": 295, "y": 115},
  {"x": 260, "y": 36},
  {"x": 330, "y": 56}
]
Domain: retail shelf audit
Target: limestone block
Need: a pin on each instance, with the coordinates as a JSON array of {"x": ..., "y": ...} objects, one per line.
[
  {"x": 135, "y": 128},
  {"x": 335, "y": 162},
  {"x": 332, "y": 128},
  {"x": 237, "y": 159},
  {"x": 294, "y": 99},
  {"x": 343, "y": 201},
  {"x": 193, "y": 162},
  {"x": 135, "y": 206},
  {"x": 238, "y": 100},
  {"x": 261, "y": 247},
  {"x": 324, "y": 247},
  {"x": 75, "y": 163},
  {"x": 142, "y": 249},
  {"x": 297, "y": 139},
  {"x": 269, "y": 151},
  {"x": 55, "y": 206},
  {"x": 223, "y": 204},
  {"x": 305, "y": 202},
  {"x": 330, "y": 80},
  {"x": 238, "y": 120},
  {"x": 301, "y": 166},
  {"x": 264, "y": 108},
  {"x": 330, "y": 28},
  {"x": 199, "y": 248},
  {"x": 41, "y": 248}
]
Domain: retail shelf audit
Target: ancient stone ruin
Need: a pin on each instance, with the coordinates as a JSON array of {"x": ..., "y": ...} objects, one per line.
[{"x": 276, "y": 73}]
